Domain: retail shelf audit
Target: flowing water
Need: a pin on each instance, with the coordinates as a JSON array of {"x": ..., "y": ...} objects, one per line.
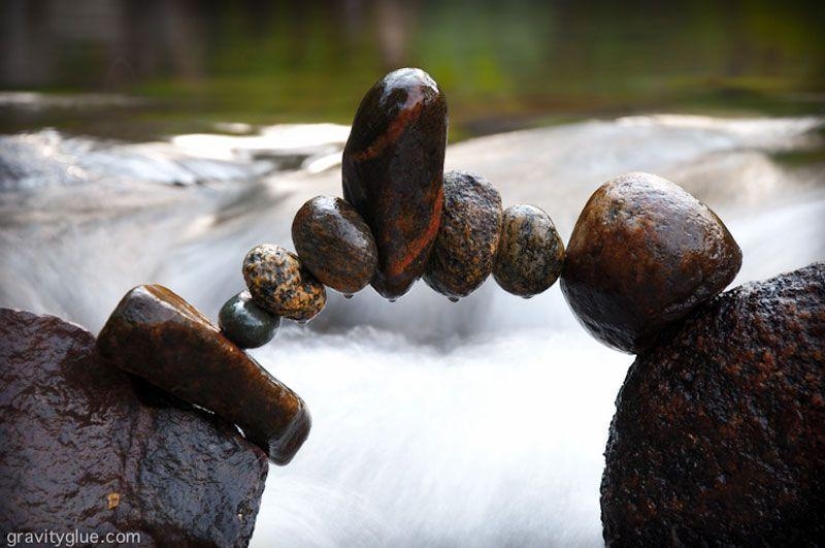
[{"x": 480, "y": 423}]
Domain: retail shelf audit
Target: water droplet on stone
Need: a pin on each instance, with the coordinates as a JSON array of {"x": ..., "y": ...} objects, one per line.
[
  {"x": 348, "y": 295},
  {"x": 302, "y": 322},
  {"x": 393, "y": 299},
  {"x": 454, "y": 299}
]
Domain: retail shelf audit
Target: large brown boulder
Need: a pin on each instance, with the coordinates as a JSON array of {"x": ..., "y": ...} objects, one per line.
[
  {"x": 719, "y": 432},
  {"x": 86, "y": 447}
]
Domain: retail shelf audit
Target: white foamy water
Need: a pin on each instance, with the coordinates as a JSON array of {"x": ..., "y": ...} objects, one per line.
[{"x": 480, "y": 423}]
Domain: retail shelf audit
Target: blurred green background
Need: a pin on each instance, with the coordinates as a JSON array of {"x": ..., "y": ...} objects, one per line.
[{"x": 502, "y": 65}]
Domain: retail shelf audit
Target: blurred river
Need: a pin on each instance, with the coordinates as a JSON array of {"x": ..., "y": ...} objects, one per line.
[{"x": 480, "y": 423}]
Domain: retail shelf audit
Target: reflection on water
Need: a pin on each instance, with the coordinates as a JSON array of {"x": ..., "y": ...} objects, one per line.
[{"x": 503, "y": 64}]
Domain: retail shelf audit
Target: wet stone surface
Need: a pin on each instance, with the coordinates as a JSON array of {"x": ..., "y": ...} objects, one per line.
[
  {"x": 531, "y": 252},
  {"x": 335, "y": 244},
  {"x": 158, "y": 336},
  {"x": 392, "y": 173},
  {"x": 718, "y": 436},
  {"x": 280, "y": 285},
  {"x": 465, "y": 249},
  {"x": 245, "y": 323},
  {"x": 87, "y": 447},
  {"x": 643, "y": 254}
]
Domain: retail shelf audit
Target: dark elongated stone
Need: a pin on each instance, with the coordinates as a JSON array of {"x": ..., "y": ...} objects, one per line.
[
  {"x": 643, "y": 254},
  {"x": 280, "y": 284},
  {"x": 718, "y": 437},
  {"x": 465, "y": 249},
  {"x": 245, "y": 324},
  {"x": 87, "y": 447},
  {"x": 335, "y": 244},
  {"x": 392, "y": 173},
  {"x": 155, "y": 334},
  {"x": 531, "y": 252}
]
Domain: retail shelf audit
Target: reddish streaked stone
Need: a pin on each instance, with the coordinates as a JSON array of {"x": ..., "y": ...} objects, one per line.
[
  {"x": 158, "y": 336},
  {"x": 643, "y": 254},
  {"x": 392, "y": 173}
]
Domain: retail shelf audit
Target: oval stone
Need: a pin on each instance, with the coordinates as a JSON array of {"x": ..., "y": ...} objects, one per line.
[
  {"x": 465, "y": 249},
  {"x": 644, "y": 253},
  {"x": 335, "y": 244},
  {"x": 280, "y": 285},
  {"x": 530, "y": 253},
  {"x": 392, "y": 173},
  {"x": 245, "y": 323}
]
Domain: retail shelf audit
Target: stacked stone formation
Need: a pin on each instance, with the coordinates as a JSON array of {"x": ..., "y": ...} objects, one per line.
[{"x": 401, "y": 219}]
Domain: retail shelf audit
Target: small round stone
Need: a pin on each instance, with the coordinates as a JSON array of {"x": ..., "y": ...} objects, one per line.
[
  {"x": 280, "y": 285},
  {"x": 246, "y": 324},
  {"x": 643, "y": 255},
  {"x": 465, "y": 248},
  {"x": 530, "y": 253},
  {"x": 335, "y": 244}
]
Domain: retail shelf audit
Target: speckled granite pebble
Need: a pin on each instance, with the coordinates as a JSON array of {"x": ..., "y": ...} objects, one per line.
[
  {"x": 280, "y": 285},
  {"x": 530, "y": 253}
]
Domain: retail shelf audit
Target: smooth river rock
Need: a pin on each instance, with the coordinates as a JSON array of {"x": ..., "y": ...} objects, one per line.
[
  {"x": 280, "y": 284},
  {"x": 88, "y": 448},
  {"x": 643, "y": 254},
  {"x": 392, "y": 173},
  {"x": 155, "y": 334},
  {"x": 245, "y": 323},
  {"x": 530, "y": 253},
  {"x": 335, "y": 244},
  {"x": 718, "y": 437},
  {"x": 465, "y": 249}
]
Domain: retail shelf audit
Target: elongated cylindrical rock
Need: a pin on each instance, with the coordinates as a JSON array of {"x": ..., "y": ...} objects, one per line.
[
  {"x": 643, "y": 254},
  {"x": 465, "y": 249},
  {"x": 530, "y": 253},
  {"x": 158, "y": 336},
  {"x": 279, "y": 283},
  {"x": 392, "y": 173},
  {"x": 335, "y": 244}
]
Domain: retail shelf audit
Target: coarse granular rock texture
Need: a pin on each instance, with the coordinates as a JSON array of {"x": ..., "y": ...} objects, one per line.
[
  {"x": 392, "y": 171},
  {"x": 718, "y": 437},
  {"x": 465, "y": 249},
  {"x": 155, "y": 334},
  {"x": 87, "y": 447},
  {"x": 643, "y": 254},
  {"x": 280, "y": 284},
  {"x": 335, "y": 244},
  {"x": 530, "y": 253}
]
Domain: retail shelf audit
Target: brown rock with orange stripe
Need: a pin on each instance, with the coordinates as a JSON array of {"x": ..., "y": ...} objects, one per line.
[{"x": 392, "y": 173}]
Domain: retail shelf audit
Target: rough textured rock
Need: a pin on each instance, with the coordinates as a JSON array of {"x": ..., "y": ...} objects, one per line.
[
  {"x": 531, "y": 252},
  {"x": 392, "y": 173},
  {"x": 465, "y": 249},
  {"x": 718, "y": 437},
  {"x": 87, "y": 447},
  {"x": 158, "y": 336},
  {"x": 279, "y": 283},
  {"x": 245, "y": 323},
  {"x": 335, "y": 244},
  {"x": 643, "y": 254}
]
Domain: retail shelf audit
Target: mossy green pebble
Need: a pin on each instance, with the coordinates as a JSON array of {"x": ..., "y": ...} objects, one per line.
[{"x": 280, "y": 285}]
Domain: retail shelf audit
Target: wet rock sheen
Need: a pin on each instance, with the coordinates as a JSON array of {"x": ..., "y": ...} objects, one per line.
[
  {"x": 718, "y": 436},
  {"x": 643, "y": 254},
  {"x": 245, "y": 323},
  {"x": 90, "y": 448},
  {"x": 465, "y": 249},
  {"x": 155, "y": 334},
  {"x": 335, "y": 244},
  {"x": 392, "y": 173}
]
